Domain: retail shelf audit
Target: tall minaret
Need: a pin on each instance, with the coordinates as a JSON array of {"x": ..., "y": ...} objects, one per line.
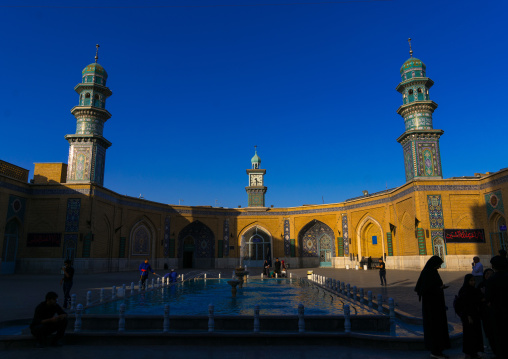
[
  {"x": 87, "y": 152},
  {"x": 420, "y": 141},
  {"x": 256, "y": 190}
]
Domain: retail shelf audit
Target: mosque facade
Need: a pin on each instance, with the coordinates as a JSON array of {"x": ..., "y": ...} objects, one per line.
[{"x": 64, "y": 212}]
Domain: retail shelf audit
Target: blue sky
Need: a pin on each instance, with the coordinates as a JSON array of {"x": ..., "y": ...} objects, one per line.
[{"x": 196, "y": 86}]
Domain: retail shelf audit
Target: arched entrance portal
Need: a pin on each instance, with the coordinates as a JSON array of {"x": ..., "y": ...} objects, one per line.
[
  {"x": 257, "y": 248},
  {"x": 10, "y": 247},
  {"x": 325, "y": 251},
  {"x": 196, "y": 246},
  {"x": 316, "y": 242},
  {"x": 438, "y": 248},
  {"x": 498, "y": 236}
]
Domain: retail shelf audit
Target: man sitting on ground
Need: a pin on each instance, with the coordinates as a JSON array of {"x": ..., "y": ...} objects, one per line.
[{"x": 49, "y": 317}]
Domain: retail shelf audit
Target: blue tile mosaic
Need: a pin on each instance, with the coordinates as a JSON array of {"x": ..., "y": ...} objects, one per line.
[
  {"x": 287, "y": 238},
  {"x": 204, "y": 240},
  {"x": 167, "y": 222},
  {"x": 226, "y": 237},
  {"x": 72, "y": 216},
  {"x": 494, "y": 202}
]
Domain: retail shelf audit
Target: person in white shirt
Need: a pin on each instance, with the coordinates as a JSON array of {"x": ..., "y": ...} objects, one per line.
[{"x": 477, "y": 271}]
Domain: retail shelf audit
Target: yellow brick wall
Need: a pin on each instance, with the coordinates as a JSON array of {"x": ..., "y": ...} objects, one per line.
[
  {"x": 407, "y": 244},
  {"x": 462, "y": 209},
  {"x": 50, "y": 173}
]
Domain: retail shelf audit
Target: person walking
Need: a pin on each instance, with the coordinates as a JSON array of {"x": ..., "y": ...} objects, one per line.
[
  {"x": 67, "y": 281},
  {"x": 477, "y": 271},
  {"x": 266, "y": 268},
  {"x": 430, "y": 290},
  {"x": 144, "y": 270},
  {"x": 277, "y": 267},
  {"x": 470, "y": 299},
  {"x": 382, "y": 271}
]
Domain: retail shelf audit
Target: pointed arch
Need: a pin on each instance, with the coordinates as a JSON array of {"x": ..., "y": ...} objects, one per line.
[
  {"x": 366, "y": 228},
  {"x": 313, "y": 236},
  {"x": 498, "y": 238},
  {"x": 197, "y": 240},
  {"x": 256, "y": 243},
  {"x": 142, "y": 236}
]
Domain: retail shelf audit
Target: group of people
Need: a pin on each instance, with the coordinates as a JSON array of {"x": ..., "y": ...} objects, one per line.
[
  {"x": 481, "y": 304},
  {"x": 279, "y": 269},
  {"x": 50, "y": 318}
]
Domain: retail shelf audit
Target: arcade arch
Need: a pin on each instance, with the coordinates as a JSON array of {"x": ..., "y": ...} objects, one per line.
[
  {"x": 317, "y": 244},
  {"x": 256, "y": 246},
  {"x": 196, "y": 246}
]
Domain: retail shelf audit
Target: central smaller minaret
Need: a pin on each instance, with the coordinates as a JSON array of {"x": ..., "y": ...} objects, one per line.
[{"x": 256, "y": 190}]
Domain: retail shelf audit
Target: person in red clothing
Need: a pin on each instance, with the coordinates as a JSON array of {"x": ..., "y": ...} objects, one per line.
[{"x": 144, "y": 270}]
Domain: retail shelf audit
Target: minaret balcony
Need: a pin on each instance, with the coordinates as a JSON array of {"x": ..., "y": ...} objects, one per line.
[
  {"x": 417, "y": 106},
  {"x": 93, "y": 86},
  {"x": 102, "y": 113},
  {"x": 424, "y": 81}
]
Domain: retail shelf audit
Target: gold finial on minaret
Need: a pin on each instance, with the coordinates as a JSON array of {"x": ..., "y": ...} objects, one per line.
[
  {"x": 410, "y": 49},
  {"x": 97, "y": 53}
]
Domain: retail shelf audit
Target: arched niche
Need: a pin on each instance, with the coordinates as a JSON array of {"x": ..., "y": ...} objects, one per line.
[{"x": 196, "y": 246}]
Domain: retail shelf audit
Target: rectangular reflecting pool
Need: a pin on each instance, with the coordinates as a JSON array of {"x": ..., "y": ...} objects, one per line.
[{"x": 274, "y": 297}]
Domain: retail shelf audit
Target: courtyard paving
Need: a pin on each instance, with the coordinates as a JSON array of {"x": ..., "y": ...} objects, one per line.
[{"x": 22, "y": 292}]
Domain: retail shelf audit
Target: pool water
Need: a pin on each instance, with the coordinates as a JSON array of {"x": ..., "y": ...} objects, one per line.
[{"x": 274, "y": 297}]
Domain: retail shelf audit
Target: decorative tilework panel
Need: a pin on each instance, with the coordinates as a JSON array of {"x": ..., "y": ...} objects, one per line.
[
  {"x": 225, "y": 237},
  {"x": 167, "y": 227},
  {"x": 309, "y": 236},
  {"x": 438, "y": 244},
  {"x": 70, "y": 246},
  {"x": 16, "y": 208},
  {"x": 435, "y": 211},
  {"x": 345, "y": 235},
  {"x": 422, "y": 249},
  {"x": 389, "y": 243},
  {"x": 141, "y": 239},
  {"x": 340, "y": 246},
  {"x": 287, "y": 241},
  {"x": 81, "y": 166},
  {"x": 494, "y": 201},
  {"x": 429, "y": 162},
  {"x": 256, "y": 200},
  {"x": 72, "y": 216},
  {"x": 293, "y": 247},
  {"x": 408, "y": 161},
  {"x": 100, "y": 161},
  {"x": 204, "y": 240}
]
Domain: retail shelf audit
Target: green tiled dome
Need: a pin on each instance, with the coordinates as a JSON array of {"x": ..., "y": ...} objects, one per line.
[
  {"x": 95, "y": 68},
  {"x": 412, "y": 62},
  {"x": 256, "y": 159}
]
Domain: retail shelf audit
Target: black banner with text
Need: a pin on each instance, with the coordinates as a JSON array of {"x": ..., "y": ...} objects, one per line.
[
  {"x": 464, "y": 235},
  {"x": 43, "y": 239}
]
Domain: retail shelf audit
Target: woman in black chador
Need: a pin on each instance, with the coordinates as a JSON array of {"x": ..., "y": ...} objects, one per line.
[
  {"x": 435, "y": 324},
  {"x": 470, "y": 299}
]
